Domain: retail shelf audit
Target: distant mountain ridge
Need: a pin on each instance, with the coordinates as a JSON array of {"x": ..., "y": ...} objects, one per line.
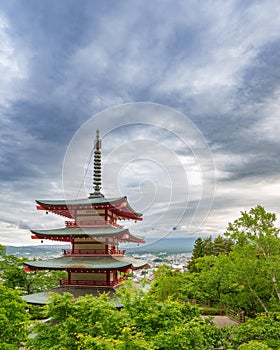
[
  {"x": 168, "y": 245},
  {"x": 152, "y": 246},
  {"x": 38, "y": 251}
]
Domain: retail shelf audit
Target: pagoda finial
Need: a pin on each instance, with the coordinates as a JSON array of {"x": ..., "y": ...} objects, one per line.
[{"x": 97, "y": 168}]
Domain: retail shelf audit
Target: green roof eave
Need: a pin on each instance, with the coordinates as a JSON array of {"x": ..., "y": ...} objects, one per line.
[
  {"x": 79, "y": 231},
  {"x": 81, "y": 201},
  {"x": 91, "y": 201},
  {"x": 98, "y": 232},
  {"x": 37, "y": 298},
  {"x": 87, "y": 263},
  {"x": 42, "y": 298}
]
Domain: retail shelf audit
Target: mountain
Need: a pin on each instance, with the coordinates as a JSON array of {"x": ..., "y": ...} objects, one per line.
[
  {"x": 168, "y": 245},
  {"x": 39, "y": 251},
  {"x": 164, "y": 245}
]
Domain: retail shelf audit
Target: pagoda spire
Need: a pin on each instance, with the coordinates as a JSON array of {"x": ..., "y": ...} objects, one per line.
[{"x": 97, "y": 168}]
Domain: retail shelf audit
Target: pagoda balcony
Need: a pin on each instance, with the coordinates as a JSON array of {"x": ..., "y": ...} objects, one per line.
[
  {"x": 65, "y": 282},
  {"x": 92, "y": 224},
  {"x": 116, "y": 252},
  {"x": 70, "y": 224},
  {"x": 93, "y": 252}
]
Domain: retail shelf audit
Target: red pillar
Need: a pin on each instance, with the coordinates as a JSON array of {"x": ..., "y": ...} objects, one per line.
[
  {"x": 108, "y": 278},
  {"x": 72, "y": 243},
  {"x": 106, "y": 246}
]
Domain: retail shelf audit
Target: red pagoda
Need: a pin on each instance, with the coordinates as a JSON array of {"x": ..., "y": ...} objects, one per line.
[{"x": 94, "y": 263}]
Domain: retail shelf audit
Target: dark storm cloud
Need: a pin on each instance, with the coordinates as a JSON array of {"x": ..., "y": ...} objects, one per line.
[
  {"x": 261, "y": 166},
  {"x": 263, "y": 76}
]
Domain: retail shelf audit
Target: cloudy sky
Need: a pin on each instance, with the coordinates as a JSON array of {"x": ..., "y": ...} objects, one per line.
[{"x": 191, "y": 94}]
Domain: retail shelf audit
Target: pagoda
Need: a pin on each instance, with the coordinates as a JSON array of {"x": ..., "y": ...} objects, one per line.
[{"x": 94, "y": 264}]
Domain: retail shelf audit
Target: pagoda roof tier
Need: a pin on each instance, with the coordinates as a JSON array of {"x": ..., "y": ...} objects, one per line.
[
  {"x": 42, "y": 297},
  {"x": 87, "y": 264},
  {"x": 98, "y": 233},
  {"x": 118, "y": 206}
]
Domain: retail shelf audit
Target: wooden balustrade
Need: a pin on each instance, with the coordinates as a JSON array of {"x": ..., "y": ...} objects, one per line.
[
  {"x": 238, "y": 316},
  {"x": 93, "y": 252},
  {"x": 65, "y": 282},
  {"x": 93, "y": 223},
  {"x": 116, "y": 252}
]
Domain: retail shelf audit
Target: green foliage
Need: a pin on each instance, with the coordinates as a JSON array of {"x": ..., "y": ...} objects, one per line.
[
  {"x": 198, "y": 252},
  {"x": 238, "y": 270},
  {"x": 212, "y": 281},
  {"x": 256, "y": 226},
  {"x": 222, "y": 245},
  {"x": 2, "y": 254},
  {"x": 264, "y": 329},
  {"x": 150, "y": 315},
  {"x": 40, "y": 281},
  {"x": 256, "y": 255},
  {"x": 130, "y": 342},
  {"x": 244, "y": 270},
  {"x": 196, "y": 334},
  {"x": 14, "y": 320},
  {"x": 37, "y": 312},
  {"x": 142, "y": 323},
  {"x": 168, "y": 283},
  {"x": 14, "y": 276},
  {"x": 12, "y": 273},
  {"x": 207, "y": 247},
  {"x": 254, "y": 345}
]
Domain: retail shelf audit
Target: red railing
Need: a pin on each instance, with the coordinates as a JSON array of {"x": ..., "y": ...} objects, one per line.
[
  {"x": 70, "y": 223},
  {"x": 116, "y": 252},
  {"x": 93, "y": 223},
  {"x": 93, "y": 252},
  {"x": 236, "y": 316},
  {"x": 65, "y": 282}
]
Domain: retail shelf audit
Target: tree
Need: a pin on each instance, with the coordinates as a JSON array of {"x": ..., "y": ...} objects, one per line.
[
  {"x": 198, "y": 248},
  {"x": 254, "y": 345},
  {"x": 170, "y": 284},
  {"x": 263, "y": 330},
  {"x": 222, "y": 245},
  {"x": 214, "y": 283},
  {"x": 243, "y": 271},
  {"x": 14, "y": 320},
  {"x": 256, "y": 254},
  {"x": 40, "y": 281},
  {"x": 198, "y": 252},
  {"x": 14, "y": 276},
  {"x": 142, "y": 323},
  {"x": 207, "y": 247},
  {"x": 197, "y": 334}
]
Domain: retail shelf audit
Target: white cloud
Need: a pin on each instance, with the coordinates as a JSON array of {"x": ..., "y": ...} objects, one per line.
[
  {"x": 267, "y": 127},
  {"x": 231, "y": 41}
]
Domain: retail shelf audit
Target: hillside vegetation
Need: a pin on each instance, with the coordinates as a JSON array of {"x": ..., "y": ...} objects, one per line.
[{"x": 238, "y": 270}]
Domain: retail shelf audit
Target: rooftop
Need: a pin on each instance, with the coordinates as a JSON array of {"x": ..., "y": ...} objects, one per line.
[
  {"x": 42, "y": 298},
  {"x": 87, "y": 263},
  {"x": 93, "y": 232},
  {"x": 119, "y": 206}
]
